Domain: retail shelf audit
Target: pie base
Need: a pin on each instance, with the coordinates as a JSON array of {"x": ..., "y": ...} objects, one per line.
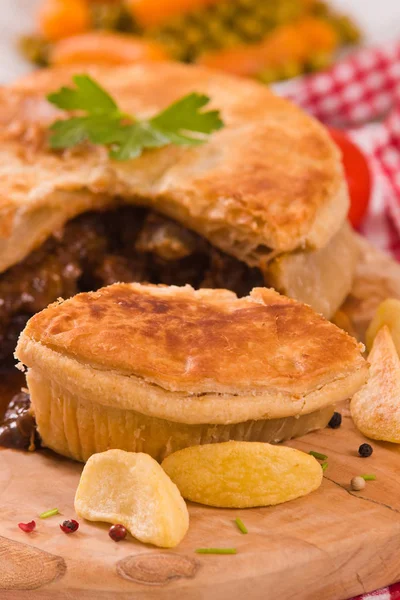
[{"x": 77, "y": 429}]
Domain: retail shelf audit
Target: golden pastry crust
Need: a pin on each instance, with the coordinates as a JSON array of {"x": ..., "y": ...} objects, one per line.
[
  {"x": 271, "y": 181},
  {"x": 322, "y": 278},
  {"x": 195, "y": 356}
]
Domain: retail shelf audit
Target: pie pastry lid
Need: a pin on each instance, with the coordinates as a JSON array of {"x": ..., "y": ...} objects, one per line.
[
  {"x": 194, "y": 357},
  {"x": 270, "y": 181}
]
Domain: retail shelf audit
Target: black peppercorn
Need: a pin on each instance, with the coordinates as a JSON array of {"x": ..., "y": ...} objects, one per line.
[
  {"x": 365, "y": 450},
  {"x": 335, "y": 421}
]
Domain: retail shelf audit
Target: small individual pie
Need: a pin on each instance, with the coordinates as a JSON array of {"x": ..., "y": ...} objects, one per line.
[
  {"x": 263, "y": 202},
  {"x": 155, "y": 369}
]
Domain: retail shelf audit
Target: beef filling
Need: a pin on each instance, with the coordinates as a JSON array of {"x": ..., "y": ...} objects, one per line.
[
  {"x": 18, "y": 426},
  {"x": 100, "y": 248}
]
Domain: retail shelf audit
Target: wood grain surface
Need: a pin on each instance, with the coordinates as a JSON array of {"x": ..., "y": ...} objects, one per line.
[{"x": 331, "y": 545}]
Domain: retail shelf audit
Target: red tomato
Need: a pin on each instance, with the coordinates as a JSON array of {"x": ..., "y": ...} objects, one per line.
[{"x": 357, "y": 174}]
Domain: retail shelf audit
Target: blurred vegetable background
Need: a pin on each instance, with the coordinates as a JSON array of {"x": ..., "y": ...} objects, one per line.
[{"x": 271, "y": 40}]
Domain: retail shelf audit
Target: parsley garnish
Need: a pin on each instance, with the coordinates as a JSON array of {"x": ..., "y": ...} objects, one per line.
[
  {"x": 318, "y": 455},
  {"x": 49, "y": 513},
  {"x": 216, "y": 550},
  {"x": 183, "y": 123},
  {"x": 241, "y": 525}
]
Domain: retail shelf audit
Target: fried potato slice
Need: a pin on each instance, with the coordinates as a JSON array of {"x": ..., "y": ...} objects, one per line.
[
  {"x": 132, "y": 489},
  {"x": 388, "y": 313},
  {"x": 242, "y": 474},
  {"x": 376, "y": 407}
]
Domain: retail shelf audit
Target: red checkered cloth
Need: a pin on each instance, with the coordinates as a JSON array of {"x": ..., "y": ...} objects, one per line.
[
  {"x": 362, "y": 95},
  {"x": 390, "y": 593}
]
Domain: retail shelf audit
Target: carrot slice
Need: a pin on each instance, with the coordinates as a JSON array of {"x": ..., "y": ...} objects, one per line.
[
  {"x": 62, "y": 18},
  {"x": 296, "y": 42},
  {"x": 100, "y": 47},
  {"x": 150, "y": 13},
  {"x": 319, "y": 35}
]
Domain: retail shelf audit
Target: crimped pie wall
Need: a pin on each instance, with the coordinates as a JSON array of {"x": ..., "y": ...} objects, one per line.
[{"x": 78, "y": 429}]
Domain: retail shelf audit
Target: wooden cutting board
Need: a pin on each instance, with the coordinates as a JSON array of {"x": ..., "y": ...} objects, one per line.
[{"x": 331, "y": 545}]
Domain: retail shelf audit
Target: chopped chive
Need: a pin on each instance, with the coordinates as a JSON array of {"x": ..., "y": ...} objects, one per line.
[
  {"x": 368, "y": 477},
  {"x": 318, "y": 455},
  {"x": 241, "y": 525},
  {"x": 324, "y": 466},
  {"x": 215, "y": 550},
  {"x": 49, "y": 513}
]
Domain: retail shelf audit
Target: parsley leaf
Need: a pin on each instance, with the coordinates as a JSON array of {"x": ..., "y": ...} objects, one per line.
[
  {"x": 68, "y": 133},
  {"x": 136, "y": 138},
  {"x": 97, "y": 129},
  {"x": 184, "y": 116},
  {"x": 88, "y": 95},
  {"x": 183, "y": 123}
]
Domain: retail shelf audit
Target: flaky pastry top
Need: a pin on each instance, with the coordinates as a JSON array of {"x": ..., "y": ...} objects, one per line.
[{"x": 199, "y": 341}]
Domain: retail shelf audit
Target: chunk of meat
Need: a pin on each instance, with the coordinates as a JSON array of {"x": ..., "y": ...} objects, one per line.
[{"x": 167, "y": 239}]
